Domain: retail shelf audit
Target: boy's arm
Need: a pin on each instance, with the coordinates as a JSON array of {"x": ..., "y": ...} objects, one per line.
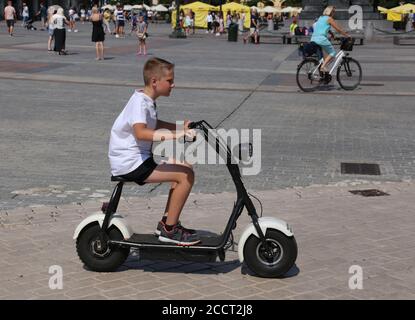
[
  {"x": 165, "y": 125},
  {"x": 141, "y": 132},
  {"x": 172, "y": 126}
]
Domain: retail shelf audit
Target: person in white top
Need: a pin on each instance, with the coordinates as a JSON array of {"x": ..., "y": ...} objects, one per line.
[
  {"x": 25, "y": 14},
  {"x": 83, "y": 15},
  {"x": 59, "y": 32},
  {"x": 130, "y": 149},
  {"x": 50, "y": 28},
  {"x": 72, "y": 20},
  {"x": 10, "y": 16},
  {"x": 209, "y": 20}
]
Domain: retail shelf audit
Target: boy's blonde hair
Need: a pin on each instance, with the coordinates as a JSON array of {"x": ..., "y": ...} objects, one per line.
[
  {"x": 328, "y": 11},
  {"x": 155, "y": 67}
]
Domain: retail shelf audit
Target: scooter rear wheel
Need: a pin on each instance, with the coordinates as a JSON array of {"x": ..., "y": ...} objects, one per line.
[
  {"x": 272, "y": 263},
  {"x": 102, "y": 261}
]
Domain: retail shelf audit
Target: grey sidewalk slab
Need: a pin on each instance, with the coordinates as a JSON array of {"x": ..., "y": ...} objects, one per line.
[{"x": 335, "y": 230}]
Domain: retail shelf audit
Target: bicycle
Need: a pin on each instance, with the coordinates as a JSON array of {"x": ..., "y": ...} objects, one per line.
[{"x": 349, "y": 72}]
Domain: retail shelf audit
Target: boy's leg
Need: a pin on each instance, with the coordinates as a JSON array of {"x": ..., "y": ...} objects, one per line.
[
  {"x": 183, "y": 177},
  {"x": 174, "y": 184}
]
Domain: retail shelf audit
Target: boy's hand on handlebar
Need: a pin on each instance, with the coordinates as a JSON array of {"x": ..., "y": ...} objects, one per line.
[
  {"x": 190, "y": 135},
  {"x": 186, "y": 124}
]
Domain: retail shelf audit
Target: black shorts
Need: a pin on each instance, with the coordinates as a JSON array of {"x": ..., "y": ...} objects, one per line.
[
  {"x": 10, "y": 23},
  {"x": 140, "y": 174},
  {"x": 121, "y": 23}
]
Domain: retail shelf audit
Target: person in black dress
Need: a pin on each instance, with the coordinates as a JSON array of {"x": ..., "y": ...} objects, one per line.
[
  {"x": 98, "y": 34},
  {"x": 59, "y": 32}
]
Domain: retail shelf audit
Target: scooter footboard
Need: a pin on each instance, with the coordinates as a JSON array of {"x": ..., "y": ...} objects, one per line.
[
  {"x": 116, "y": 220},
  {"x": 265, "y": 223}
]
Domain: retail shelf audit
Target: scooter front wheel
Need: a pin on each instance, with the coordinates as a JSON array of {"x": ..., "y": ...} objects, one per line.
[
  {"x": 275, "y": 259},
  {"x": 98, "y": 256}
]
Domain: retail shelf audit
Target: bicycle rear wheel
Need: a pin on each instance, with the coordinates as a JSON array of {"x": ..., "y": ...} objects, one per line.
[
  {"x": 349, "y": 74},
  {"x": 308, "y": 78}
]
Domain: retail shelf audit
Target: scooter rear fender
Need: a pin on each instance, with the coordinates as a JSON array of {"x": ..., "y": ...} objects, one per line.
[
  {"x": 265, "y": 223},
  {"x": 116, "y": 220}
]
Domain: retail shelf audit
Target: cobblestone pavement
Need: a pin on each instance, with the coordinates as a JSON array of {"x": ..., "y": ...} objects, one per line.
[
  {"x": 55, "y": 116},
  {"x": 335, "y": 231}
]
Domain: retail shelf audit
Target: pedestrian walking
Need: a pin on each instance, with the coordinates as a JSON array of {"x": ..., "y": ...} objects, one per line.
[
  {"x": 187, "y": 23},
  {"x": 209, "y": 21},
  {"x": 228, "y": 20},
  {"x": 51, "y": 29},
  {"x": 59, "y": 32},
  {"x": 192, "y": 21},
  {"x": 142, "y": 35},
  {"x": 72, "y": 14},
  {"x": 10, "y": 17},
  {"x": 221, "y": 26},
  {"x": 133, "y": 22},
  {"x": 98, "y": 34},
  {"x": 106, "y": 19},
  {"x": 119, "y": 14},
  {"x": 83, "y": 15},
  {"x": 25, "y": 15},
  {"x": 241, "y": 22},
  {"x": 254, "y": 28},
  {"x": 43, "y": 13}
]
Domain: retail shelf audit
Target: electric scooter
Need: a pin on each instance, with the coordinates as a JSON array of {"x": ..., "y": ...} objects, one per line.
[{"x": 267, "y": 245}]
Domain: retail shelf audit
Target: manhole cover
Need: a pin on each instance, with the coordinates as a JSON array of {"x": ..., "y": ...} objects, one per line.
[
  {"x": 369, "y": 193},
  {"x": 360, "y": 168}
]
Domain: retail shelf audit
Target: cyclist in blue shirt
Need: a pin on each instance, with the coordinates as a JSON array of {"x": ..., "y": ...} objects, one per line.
[{"x": 320, "y": 35}]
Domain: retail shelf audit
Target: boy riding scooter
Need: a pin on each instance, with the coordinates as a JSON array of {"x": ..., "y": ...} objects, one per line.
[{"x": 130, "y": 149}]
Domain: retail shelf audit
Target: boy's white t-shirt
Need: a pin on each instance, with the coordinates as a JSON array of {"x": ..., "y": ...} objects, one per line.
[{"x": 126, "y": 153}]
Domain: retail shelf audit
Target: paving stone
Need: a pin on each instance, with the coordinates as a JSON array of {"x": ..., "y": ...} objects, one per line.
[{"x": 304, "y": 140}]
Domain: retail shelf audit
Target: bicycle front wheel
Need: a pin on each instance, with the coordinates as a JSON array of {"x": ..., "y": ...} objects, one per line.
[
  {"x": 349, "y": 74},
  {"x": 308, "y": 76}
]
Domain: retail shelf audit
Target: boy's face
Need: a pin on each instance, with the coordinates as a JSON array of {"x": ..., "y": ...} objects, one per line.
[{"x": 165, "y": 83}]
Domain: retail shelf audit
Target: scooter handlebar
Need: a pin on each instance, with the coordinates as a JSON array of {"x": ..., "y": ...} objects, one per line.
[
  {"x": 196, "y": 124},
  {"x": 192, "y": 125}
]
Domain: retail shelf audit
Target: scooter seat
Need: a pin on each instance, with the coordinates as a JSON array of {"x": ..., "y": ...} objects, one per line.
[{"x": 119, "y": 179}]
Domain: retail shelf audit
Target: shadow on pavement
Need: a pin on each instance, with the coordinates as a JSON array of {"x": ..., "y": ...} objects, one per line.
[{"x": 294, "y": 271}]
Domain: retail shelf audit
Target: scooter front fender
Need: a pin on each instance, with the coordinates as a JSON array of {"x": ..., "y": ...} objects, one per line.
[
  {"x": 116, "y": 220},
  {"x": 265, "y": 223}
]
